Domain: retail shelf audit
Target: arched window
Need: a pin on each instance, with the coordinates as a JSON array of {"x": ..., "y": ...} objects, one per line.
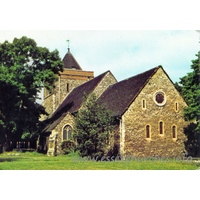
[
  {"x": 161, "y": 127},
  {"x": 147, "y": 131},
  {"x": 67, "y": 132},
  {"x": 174, "y": 135}
]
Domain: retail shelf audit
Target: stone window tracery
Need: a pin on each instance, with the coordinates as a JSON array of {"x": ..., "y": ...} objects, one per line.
[{"x": 67, "y": 132}]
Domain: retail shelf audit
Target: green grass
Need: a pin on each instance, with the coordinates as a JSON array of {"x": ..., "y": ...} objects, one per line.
[{"x": 36, "y": 161}]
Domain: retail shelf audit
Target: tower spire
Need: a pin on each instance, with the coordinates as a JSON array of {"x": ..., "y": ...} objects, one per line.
[{"x": 68, "y": 45}]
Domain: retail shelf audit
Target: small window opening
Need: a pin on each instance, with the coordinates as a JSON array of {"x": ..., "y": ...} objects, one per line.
[
  {"x": 147, "y": 131},
  {"x": 161, "y": 127},
  {"x": 176, "y": 106},
  {"x": 143, "y": 104},
  {"x": 67, "y": 87},
  {"x": 174, "y": 131}
]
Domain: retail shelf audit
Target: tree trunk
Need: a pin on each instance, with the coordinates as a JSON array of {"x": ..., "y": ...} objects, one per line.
[{"x": 7, "y": 148}]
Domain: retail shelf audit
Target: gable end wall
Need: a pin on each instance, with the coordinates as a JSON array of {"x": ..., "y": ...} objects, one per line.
[
  {"x": 107, "y": 80},
  {"x": 136, "y": 118}
]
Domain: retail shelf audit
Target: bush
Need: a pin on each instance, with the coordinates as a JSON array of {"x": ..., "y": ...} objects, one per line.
[
  {"x": 92, "y": 126},
  {"x": 68, "y": 146}
]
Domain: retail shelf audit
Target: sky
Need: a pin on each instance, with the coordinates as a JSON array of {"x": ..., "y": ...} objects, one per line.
[{"x": 124, "y": 53}]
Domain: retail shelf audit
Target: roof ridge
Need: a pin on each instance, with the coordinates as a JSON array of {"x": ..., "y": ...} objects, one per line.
[
  {"x": 139, "y": 74},
  {"x": 155, "y": 69},
  {"x": 122, "y": 90}
]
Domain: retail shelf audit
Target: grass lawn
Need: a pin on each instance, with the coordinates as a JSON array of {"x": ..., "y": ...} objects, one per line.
[{"x": 36, "y": 161}]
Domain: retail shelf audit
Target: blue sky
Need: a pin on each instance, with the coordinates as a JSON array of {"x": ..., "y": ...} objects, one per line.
[{"x": 124, "y": 53}]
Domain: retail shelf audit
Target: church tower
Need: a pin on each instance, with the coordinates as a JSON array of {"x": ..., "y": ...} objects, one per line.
[{"x": 71, "y": 77}]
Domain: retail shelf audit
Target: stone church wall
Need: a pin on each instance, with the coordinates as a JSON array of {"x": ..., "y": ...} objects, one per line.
[
  {"x": 69, "y": 118},
  {"x": 108, "y": 80},
  {"x": 51, "y": 102},
  {"x": 136, "y": 118},
  {"x": 72, "y": 83},
  {"x": 48, "y": 105}
]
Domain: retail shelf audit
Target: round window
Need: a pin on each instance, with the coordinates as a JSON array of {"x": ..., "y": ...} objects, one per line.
[{"x": 160, "y": 98}]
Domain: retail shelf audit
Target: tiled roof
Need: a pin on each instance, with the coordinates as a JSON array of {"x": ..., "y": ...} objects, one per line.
[
  {"x": 70, "y": 62},
  {"x": 72, "y": 102},
  {"x": 118, "y": 97}
]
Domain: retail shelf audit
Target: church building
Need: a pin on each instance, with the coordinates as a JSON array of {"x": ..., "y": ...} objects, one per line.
[
  {"x": 147, "y": 108},
  {"x": 70, "y": 78}
]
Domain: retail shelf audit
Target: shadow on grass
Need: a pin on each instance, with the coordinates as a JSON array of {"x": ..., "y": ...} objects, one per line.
[{"x": 10, "y": 159}]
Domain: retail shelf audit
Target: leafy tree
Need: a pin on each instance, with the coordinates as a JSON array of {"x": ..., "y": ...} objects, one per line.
[
  {"x": 191, "y": 91},
  {"x": 189, "y": 86},
  {"x": 92, "y": 126},
  {"x": 24, "y": 67}
]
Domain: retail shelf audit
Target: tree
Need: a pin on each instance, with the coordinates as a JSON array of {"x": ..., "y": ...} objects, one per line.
[
  {"x": 189, "y": 86},
  {"x": 24, "y": 68},
  {"x": 93, "y": 123},
  {"x": 190, "y": 89}
]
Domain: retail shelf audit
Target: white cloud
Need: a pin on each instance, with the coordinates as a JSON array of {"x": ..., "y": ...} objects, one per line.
[
  {"x": 131, "y": 52},
  {"x": 124, "y": 53}
]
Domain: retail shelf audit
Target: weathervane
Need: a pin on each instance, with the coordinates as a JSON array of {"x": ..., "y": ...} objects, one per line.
[{"x": 68, "y": 43}]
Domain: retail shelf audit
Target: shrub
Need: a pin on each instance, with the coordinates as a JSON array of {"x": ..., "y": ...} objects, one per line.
[
  {"x": 68, "y": 146},
  {"x": 92, "y": 126}
]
